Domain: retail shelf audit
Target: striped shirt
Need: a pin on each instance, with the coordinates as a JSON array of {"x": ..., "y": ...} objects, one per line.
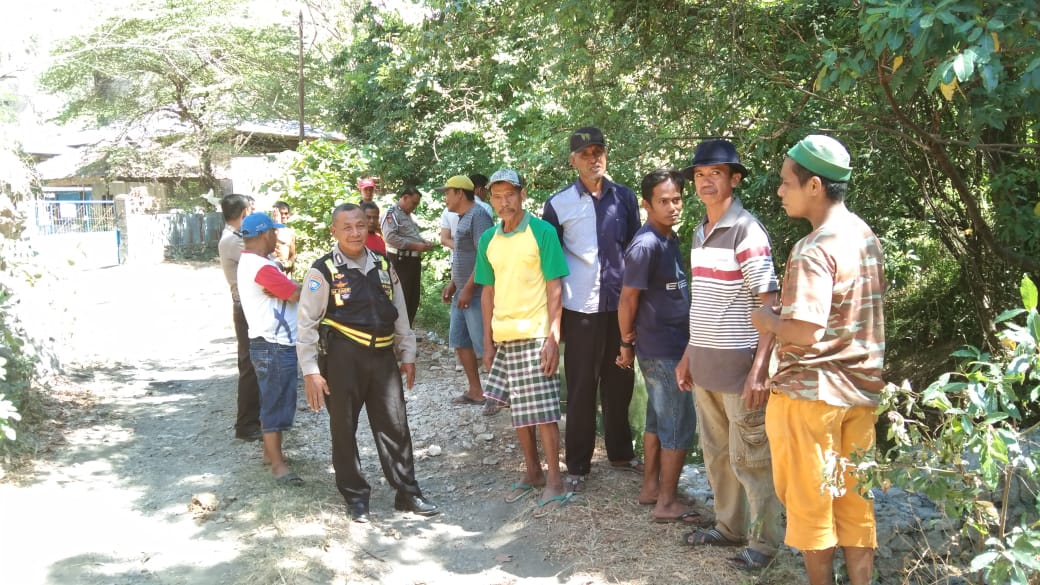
[{"x": 729, "y": 268}]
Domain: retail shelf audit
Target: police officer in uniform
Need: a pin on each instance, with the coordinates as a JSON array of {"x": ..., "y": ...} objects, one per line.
[
  {"x": 351, "y": 319},
  {"x": 405, "y": 245}
]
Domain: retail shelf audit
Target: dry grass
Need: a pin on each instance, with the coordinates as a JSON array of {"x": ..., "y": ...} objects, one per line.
[{"x": 607, "y": 533}]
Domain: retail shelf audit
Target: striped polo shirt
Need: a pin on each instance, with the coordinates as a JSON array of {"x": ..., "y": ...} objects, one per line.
[{"x": 729, "y": 268}]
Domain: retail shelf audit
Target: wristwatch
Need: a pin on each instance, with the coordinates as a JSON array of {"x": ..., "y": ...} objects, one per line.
[{"x": 627, "y": 344}]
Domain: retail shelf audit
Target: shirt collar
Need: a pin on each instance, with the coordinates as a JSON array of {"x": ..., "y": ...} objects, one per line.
[
  {"x": 341, "y": 259},
  {"x": 519, "y": 228},
  {"x": 729, "y": 217},
  {"x": 608, "y": 186}
]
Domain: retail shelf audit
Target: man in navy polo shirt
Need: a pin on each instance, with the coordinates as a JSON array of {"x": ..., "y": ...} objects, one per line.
[
  {"x": 595, "y": 219},
  {"x": 652, "y": 316}
]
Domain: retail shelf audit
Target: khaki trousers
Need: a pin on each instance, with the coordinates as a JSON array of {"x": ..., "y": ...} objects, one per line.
[{"x": 737, "y": 458}]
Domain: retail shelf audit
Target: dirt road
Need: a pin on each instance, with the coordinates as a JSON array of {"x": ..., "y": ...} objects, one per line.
[{"x": 146, "y": 417}]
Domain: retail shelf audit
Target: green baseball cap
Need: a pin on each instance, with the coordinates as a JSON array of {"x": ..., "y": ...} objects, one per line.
[{"x": 823, "y": 156}]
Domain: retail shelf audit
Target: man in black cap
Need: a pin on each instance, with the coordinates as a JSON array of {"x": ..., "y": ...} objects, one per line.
[
  {"x": 726, "y": 362},
  {"x": 595, "y": 219}
]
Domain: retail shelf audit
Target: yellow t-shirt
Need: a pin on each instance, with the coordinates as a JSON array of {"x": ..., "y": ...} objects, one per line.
[{"x": 518, "y": 264}]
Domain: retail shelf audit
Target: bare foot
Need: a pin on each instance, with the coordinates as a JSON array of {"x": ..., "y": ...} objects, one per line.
[
  {"x": 647, "y": 496},
  {"x": 674, "y": 510}
]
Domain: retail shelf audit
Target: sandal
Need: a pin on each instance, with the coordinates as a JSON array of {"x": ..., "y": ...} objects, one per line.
[
  {"x": 575, "y": 484},
  {"x": 289, "y": 479},
  {"x": 750, "y": 559},
  {"x": 464, "y": 399},
  {"x": 686, "y": 518},
  {"x": 707, "y": 536},
  {"x": 544, "y": 508},
  {"x": 518, "y": 492},
  {"x": 635, "y": 465},
  {"x": 490, "y": 408}
]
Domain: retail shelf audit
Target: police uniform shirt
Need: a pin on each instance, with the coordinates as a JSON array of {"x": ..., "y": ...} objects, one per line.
[
  {"x": 314, "y": 299},
  {"x": 399, "y": 230}
]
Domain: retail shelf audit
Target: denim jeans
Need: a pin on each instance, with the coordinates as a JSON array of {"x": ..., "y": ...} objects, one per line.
[
  {"x": 669, "y": 411},
  {"x": 466, "y": 326},
  {"x": 275, "y": 367}
]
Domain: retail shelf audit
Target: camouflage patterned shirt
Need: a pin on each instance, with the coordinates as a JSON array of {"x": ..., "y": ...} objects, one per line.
[{"x": 835, "y": 278}]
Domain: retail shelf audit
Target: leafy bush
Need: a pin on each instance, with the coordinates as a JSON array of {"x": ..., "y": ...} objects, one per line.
[
  {"x": 968, "y": 443},
  {"x": 322, "y": 177}
]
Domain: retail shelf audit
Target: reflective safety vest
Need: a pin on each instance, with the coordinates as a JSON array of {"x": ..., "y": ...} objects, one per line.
[{"x": 360, "y": 306}]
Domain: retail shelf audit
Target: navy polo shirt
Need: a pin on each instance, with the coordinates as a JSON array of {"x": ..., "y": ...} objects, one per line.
[{"x": 594, "y": 233}]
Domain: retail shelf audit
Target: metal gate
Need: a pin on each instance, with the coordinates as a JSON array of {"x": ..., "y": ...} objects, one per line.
[{"x": 82, "y": 233}]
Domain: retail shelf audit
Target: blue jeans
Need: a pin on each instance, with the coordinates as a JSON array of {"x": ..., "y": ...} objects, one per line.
[
  {"x": 466, "y": 326},
  {"x": 669, "y": 411},
  {"x": 275, "y": 366}
]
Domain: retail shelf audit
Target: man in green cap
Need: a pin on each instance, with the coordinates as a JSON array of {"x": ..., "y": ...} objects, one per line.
[{"x": 830, "y": 332}]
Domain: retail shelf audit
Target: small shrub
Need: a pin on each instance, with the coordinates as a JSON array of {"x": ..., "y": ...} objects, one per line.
[{"x": 966, "y": 444}]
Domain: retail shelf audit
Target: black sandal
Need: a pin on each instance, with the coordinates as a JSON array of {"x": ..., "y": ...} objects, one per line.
[{"x": 708, "y": 536}]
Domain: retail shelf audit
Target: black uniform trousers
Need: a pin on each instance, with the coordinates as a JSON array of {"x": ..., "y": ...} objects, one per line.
[
  {"x": 247, "y": 421},
  {"x": 592, "y": 342},
  {"x": 360, "y": 376},
  {"x": 409, "y": 270}
]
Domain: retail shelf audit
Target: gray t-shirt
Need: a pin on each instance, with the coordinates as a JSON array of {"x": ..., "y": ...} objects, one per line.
[
  {"x": 472, "y": 225},
  {"x": 230, "y": 250}
]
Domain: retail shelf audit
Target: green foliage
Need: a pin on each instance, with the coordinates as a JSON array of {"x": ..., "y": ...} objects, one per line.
[
  {"x": 468, "y": 87},
  {"x": 17, "y": 362},
  {"x": 181, "y": 67},
  {"x": 322, "y": 176},
  {"x": 971, "y": 433},
  {"x": 318, "y": 179}
]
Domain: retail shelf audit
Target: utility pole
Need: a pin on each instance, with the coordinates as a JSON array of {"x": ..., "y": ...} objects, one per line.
[{"x": 300, "y": 75}]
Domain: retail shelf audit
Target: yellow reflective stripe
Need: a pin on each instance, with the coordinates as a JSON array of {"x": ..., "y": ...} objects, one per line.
[
  {"x": 360, "y": 336},
  {"x": 332, "y": 270}
]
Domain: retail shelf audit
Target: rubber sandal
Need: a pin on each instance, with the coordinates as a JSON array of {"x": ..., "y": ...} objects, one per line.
[
  {"x": 490, "y": 409},
  {"x": 686, "y": 518},
  {"x": 518, "y": 492},
  {"x": 709, "y": 536},
  {"x": 545, "y": 508},
  {"x": 575, "y": 483},
  {"x": 751, "y": 560},
  {"x": 290, "y": 479},
  {"x": 463, "y": 399},
  {"x": 635, "y": 465}
]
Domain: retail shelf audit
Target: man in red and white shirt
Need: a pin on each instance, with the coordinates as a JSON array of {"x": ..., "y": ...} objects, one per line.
[{"x": 269, "y": 300}]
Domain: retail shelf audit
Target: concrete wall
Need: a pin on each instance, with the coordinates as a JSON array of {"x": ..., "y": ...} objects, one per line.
[{"x": 152, "y": 238}]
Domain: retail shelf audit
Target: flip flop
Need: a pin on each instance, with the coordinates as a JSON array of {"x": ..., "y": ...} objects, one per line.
[
  {"x": 490, "y": 409},
  {"x": 546, "y": 507},
  {"x": 709, "y": 536},
  {"x": 290, "y": 479},
  {"x": 635, "y": 465},
  {"x": 750, "y": 560},
  {"x": 463, "y": 399},
  {"x": 518, "y": 492},
  {"x": 686, "y": 518}
]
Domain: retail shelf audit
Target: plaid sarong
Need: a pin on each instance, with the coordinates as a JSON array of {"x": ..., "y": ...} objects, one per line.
[{"x": 516, "y": 379}]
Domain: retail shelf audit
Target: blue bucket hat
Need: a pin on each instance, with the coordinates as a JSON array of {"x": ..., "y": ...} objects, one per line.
[{"x": 715, "y": 152}]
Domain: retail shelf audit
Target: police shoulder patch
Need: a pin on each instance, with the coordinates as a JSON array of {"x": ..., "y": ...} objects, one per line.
[{"x": 314, "y": 284}]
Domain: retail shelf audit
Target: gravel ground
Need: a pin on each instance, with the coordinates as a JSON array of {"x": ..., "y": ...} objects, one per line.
[{"x": 142, "y": 482}]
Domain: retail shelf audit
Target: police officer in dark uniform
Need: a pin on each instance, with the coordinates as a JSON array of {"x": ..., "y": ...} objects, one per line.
[{"x": 351, "y": 318}]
